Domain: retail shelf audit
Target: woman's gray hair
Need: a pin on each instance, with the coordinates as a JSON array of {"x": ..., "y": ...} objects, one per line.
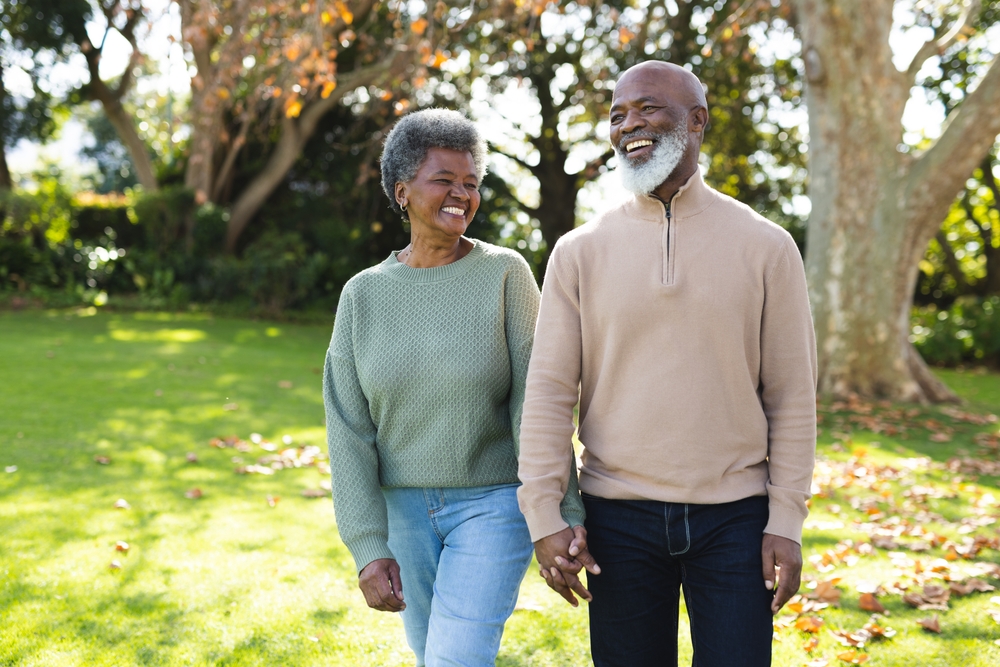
[{"x": 415, "y": 134}]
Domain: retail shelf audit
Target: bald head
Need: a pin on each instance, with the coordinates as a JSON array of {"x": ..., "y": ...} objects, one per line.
[{"x": 682, "y": 86}]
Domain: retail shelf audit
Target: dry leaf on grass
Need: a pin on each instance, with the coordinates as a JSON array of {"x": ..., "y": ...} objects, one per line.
[
  {"x": 853, "y": 657},
  {"x": 809, "y": 623},
  {"x": 194, "y": 494},
  {"x": 102, "y": 460},
  {"x": 122, "y": 504},
  {"x": 931, "y": 624},
  {"x": 868, "y": 602},
  {"x": 121, "y": 546}
]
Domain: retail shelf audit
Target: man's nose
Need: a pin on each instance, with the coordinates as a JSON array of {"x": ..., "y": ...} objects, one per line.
[{"x": 632, "y": 121}]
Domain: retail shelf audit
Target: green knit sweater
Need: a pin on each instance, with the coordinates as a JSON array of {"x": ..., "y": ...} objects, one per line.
[{"x": 424, "y": 385}]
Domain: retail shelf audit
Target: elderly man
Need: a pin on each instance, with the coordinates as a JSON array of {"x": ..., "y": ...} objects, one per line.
[{"x": 680, "y": 322}]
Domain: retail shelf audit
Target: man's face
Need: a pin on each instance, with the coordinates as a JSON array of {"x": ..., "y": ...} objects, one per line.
[{"x": 648, "y": 131}]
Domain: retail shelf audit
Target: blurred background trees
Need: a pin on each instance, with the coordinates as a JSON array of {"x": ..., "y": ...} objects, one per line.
[{"x": 258, "y": 189}]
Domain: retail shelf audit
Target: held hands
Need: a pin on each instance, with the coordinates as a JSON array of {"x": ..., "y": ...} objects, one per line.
[
  {"x": 379, "y": 581},
  {"x": 561, "y": 556},
  {"x": 785, "y": 555}
]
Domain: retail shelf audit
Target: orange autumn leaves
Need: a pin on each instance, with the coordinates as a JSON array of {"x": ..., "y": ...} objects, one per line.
[{"x": 926, "y": 532}]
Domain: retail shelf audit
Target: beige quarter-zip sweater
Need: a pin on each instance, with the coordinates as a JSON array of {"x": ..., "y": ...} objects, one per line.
[{"x": 688, "y": 341}]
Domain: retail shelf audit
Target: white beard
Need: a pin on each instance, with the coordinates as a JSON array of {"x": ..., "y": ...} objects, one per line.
[{"x": 646, "y": 176}]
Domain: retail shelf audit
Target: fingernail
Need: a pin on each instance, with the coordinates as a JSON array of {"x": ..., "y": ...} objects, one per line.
[
  {"x": 768, "y": 584},
  {"x": 597, "y": 569},
  {"x": 573, "y": 551}
]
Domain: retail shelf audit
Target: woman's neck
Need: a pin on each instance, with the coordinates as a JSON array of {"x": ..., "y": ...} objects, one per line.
[{"x": 423, "y": 253}]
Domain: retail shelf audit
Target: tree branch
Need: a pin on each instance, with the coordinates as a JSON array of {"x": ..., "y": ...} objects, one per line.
[
  {"x": 950, "y": 260},
  {"x": 514, "y": 158},
  {"x": 936, "y": 47},
  {"x": 970, "y": 131}
]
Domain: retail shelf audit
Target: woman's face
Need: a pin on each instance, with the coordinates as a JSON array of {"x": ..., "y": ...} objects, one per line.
[{"x": 444, "y": 195}]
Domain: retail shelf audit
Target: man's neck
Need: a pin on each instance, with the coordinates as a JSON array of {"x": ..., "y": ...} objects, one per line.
[{"x": 667, "y": 189}]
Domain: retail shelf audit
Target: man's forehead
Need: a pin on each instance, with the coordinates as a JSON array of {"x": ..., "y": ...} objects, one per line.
[
  {"x": 656, "y": 81},
  {"x": 637, "y": 87}
]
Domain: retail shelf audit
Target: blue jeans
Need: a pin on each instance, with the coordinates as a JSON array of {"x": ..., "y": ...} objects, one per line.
[
  {"x": 462, "y": 553},
  {"x": 647, "y": 550}
]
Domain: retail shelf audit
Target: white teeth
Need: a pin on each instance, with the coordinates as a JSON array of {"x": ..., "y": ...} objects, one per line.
[
  {"x": 453, "y": 209},
  {"x": 638, "y": 144}
]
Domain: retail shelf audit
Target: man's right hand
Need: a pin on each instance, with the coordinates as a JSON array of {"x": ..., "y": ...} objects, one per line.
[
  {"x": 561, "y": 556},
  {"x": 380, "y": 582}
]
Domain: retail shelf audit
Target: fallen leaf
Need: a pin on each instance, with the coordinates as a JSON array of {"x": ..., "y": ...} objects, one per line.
[
  {"x": 272, "y": 501},
  {"x": 122, "y": 504},
  {"x": 827, "y": 591},
  {"x": 115, "y": 565},
  {"x": 970, "y": 586},
  {"x": 315, "y": 493},
  {"x": 229, "y": 407},
  {"x": 853, "y": 657},
  {"x": 191, "y": 457},
  {"x": 193, "y": 494},
  {"x": 931, "y": 624},
  {"x": 285, "y": 384},
  {"x": 809, "y": 623},
  {"x": 818, "y": 662},
  {"x": 810, "y": 644},
  {"x": 10, "y": 469},
  {"x": 102, "y": 460},
  {"x": 121, "y": 546},
  {"x": 868, "y": 602}
]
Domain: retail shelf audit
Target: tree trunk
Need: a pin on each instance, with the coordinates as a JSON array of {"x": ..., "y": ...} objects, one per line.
[
  {"x": 137, "y": 149},
  {"x": 875, "y": 208}
]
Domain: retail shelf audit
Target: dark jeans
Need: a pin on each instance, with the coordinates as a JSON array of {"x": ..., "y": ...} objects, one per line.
[{"x": 647, "y": 550}]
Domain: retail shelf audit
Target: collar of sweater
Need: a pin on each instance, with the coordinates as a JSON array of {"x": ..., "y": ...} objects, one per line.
[
  {"x": 691, "y": 199},
  {"x": 396, "y": 269}
]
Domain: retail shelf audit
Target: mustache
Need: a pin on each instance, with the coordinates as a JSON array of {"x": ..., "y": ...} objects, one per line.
[{"x": 634, "y": 136}]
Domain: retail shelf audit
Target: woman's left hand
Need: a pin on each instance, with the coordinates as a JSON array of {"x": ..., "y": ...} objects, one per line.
[{"x": 380, "y": 582}]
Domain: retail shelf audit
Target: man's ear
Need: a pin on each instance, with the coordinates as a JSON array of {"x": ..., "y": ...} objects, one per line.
[{"x": 698, "y": 120}]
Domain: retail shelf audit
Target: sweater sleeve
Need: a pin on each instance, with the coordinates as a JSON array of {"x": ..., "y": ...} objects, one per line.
[
  {"x": 357, "y": 496},
  {"x": 549, "y": 495},
  {"x": 521, "y": 298},
  {"x": 788, "y": 393}
]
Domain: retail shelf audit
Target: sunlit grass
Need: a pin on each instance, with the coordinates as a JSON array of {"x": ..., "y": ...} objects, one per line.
[{"x": 228, "y": 580}]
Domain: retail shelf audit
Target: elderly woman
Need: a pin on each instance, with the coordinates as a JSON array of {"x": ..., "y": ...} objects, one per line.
[{"x": 423, "y": 387}]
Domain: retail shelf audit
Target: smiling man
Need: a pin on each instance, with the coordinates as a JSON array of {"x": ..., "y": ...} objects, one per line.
[{"x": 679, "y": 322}]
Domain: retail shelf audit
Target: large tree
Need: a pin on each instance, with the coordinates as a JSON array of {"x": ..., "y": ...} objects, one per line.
[
  {"x": 875, "y": 203},
  {"x": 275, "y": 68}
]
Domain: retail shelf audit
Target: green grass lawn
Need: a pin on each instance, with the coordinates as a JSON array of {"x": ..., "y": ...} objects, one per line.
[{"x": 253, "y": 573}]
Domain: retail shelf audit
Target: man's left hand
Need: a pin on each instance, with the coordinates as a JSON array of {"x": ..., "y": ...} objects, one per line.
[{"x": 785, "y": 555}]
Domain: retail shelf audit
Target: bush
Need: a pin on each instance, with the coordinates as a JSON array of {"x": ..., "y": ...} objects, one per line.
[
  {"x": 279, "y": 270},
  {"x": 968, "y": 332}
]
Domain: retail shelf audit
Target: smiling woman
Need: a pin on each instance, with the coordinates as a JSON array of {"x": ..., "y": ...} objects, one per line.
[{"x": 424, "y": 384}]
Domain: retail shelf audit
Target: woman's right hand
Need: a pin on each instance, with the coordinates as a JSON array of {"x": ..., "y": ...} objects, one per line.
[{"x": 379, "y": 581}]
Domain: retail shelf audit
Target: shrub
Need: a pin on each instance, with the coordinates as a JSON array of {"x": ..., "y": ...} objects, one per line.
[
  {"x": 968, "y": 332},
  {"x": 279, "y": 270}
]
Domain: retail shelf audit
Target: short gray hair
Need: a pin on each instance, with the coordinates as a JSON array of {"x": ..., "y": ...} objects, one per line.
[{"x": 415, "y": 134}]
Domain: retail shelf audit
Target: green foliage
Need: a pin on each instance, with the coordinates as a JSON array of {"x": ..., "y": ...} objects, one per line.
[
  {"x": 968, "y": 332},
  {"x": 280, "y": 271}
]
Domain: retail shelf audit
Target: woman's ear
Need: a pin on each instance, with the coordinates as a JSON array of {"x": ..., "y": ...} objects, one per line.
[{"x": 400, "y": 193}]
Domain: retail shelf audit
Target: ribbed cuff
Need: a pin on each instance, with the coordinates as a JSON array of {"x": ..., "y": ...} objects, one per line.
[
  {"x": 369, "y": 548},
  {"x": 784, "y": 522},
  {"x": 544, "y": 520}
]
